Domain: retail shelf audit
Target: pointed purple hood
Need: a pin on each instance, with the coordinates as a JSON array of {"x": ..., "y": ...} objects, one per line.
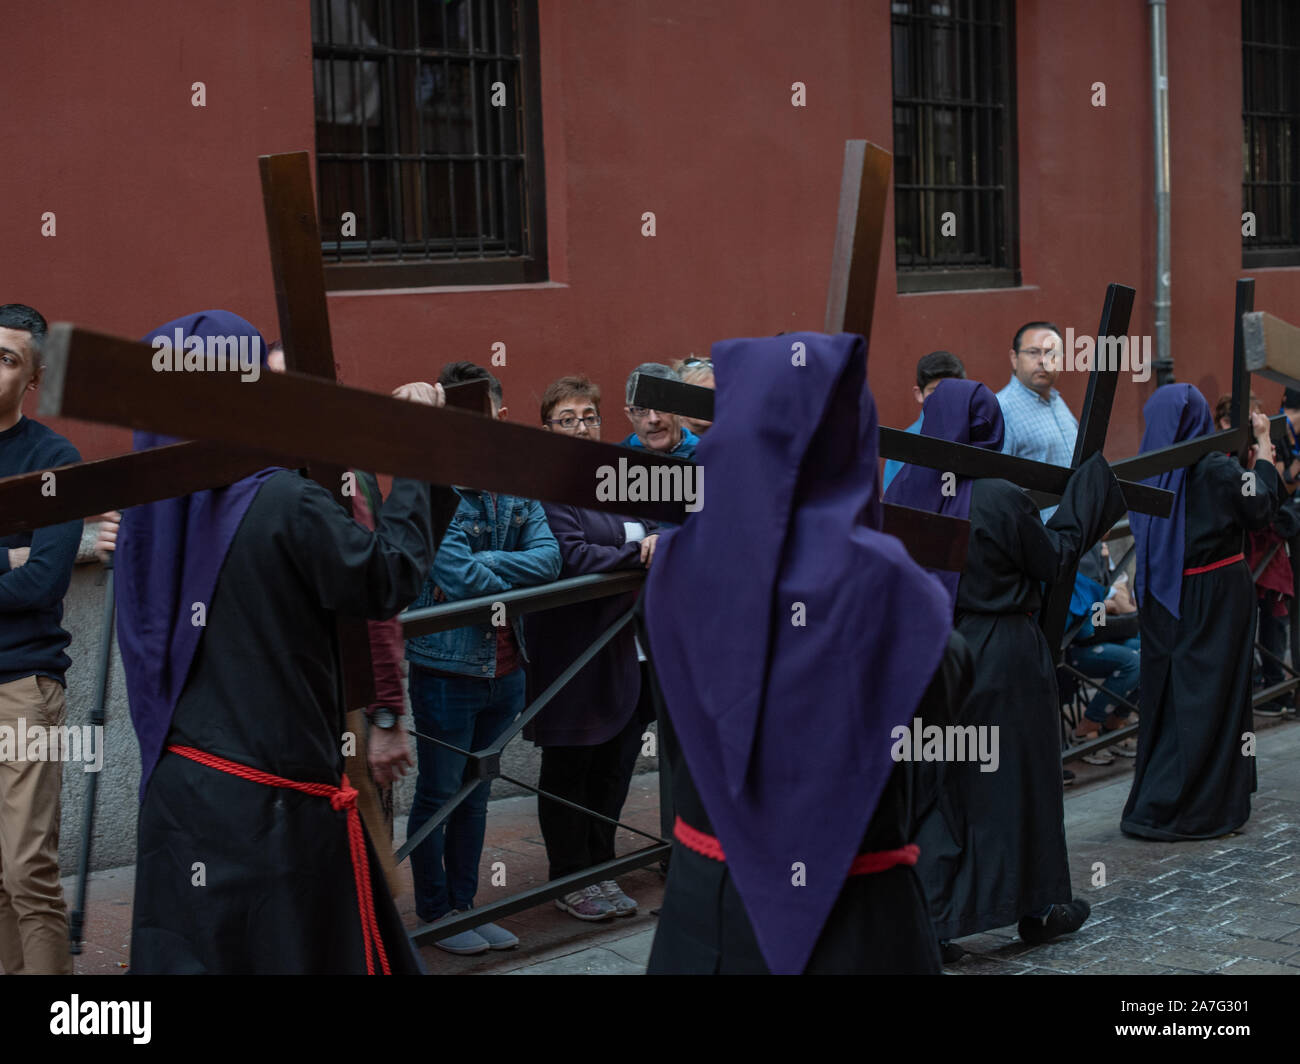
[
  {"x": 1175, "y": 412},
  {"x": 959, "y": 411},
  {"x": 168, "y": 557},
  {"x": 789, "y": 634}
]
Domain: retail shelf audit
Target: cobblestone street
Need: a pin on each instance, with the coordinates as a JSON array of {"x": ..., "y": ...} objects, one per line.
[{"x": 1229, "y": 905}]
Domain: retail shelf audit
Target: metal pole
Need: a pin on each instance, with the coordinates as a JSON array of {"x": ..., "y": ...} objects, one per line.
[
  {"x": 1164, "y": 363},
  {"x": 103, "y": 672}
]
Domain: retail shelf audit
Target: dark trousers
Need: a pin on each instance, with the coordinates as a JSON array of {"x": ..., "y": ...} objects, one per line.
[
  {"x": 470, "y": 713},
  {"x": 595, "y": 777},
  {"x": 1272, "y": 636}
]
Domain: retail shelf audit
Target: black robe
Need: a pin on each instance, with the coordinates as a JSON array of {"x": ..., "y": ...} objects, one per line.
[
  {"x": 1191, "y": 779},
  {"x": 277, "y": 892},
  {"x": 993, "y": 848},
  {"x": 879, "y": 924}
]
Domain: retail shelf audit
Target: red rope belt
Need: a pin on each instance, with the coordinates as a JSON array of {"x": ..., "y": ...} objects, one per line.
[
  {"x": 341, "y": 798},
  {"x": 1214, "y": 565},
  {"x": 865, "y": 864}
]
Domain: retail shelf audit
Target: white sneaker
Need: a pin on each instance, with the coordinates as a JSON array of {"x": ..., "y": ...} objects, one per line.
[
  {"x": 586, "y": 904},
  {"x": 623, "y": 905}
]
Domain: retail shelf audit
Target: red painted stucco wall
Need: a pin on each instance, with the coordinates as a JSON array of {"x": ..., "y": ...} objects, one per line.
[{"x": 681, "y": 107}]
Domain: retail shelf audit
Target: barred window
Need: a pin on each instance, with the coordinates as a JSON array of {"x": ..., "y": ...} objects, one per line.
[
  {"x": 428, "y": 142},
  {"x": 954, "y": 144},
  {"x": 1270, "y": 47}
]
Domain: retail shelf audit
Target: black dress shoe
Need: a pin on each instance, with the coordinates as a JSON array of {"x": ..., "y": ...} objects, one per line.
[
  {"x": 1064, "y": 920},
  {"x": 951, "y": 952}
]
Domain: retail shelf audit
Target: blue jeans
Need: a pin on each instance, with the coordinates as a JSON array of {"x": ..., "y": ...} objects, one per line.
[
  {"x": 469, "y": 712},
  {"x": 1117, "y": 665}
]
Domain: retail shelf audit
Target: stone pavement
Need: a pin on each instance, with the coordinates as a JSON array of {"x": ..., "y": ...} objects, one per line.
[{"x": 1227, "y": 905}]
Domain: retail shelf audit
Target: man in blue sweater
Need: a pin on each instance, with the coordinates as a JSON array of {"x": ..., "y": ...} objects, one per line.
[{"x": 35, "y": 570}]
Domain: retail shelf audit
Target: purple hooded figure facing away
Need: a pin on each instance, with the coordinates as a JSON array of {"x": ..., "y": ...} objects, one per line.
[
  {"x": 1196, "y": 601},
  {"x": 959, "y": 411},
  {"x": 241, "y": 717},
  {"x": 993, "y": 849},
  {"x": 791, "y": 640}
]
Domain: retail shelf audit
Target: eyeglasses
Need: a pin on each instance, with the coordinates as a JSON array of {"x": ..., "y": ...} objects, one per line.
[
  {"x": 570, "y": 421},
  {"x": 640, "y": 411},
  {"x": 1040, "y": 352},
  {"x": 693, "y": 361}
]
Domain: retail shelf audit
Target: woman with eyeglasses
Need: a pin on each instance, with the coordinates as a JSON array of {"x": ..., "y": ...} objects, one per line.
[{"x": 590, "y": 732}]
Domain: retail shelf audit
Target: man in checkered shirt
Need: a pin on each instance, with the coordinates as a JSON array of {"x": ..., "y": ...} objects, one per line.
[{"x": 1038, "y": 424}]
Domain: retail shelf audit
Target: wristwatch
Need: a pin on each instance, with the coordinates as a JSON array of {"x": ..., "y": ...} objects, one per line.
[{"x": 382, "y": 717}]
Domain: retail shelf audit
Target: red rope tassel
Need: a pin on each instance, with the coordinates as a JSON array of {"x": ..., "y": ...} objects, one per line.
[{"x": 341, "y": 798}]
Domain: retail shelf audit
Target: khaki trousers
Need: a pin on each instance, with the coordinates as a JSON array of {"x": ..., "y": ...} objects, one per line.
[{"x": 33, "y": 918}]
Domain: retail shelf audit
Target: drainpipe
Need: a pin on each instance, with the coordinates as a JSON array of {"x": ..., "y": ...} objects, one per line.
[{"x": 1164, "y": 363}]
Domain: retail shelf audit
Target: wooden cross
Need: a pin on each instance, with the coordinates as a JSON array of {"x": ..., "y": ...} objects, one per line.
[
  {"x": 307, "y": 415},
  {"x": 1237, "y": 438}
]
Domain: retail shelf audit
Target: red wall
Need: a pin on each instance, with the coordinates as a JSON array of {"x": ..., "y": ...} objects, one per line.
[{"x": 681, "y": 107}]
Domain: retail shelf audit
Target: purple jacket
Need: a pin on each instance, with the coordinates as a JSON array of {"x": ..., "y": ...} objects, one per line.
[{"x": 597, "y": 703}]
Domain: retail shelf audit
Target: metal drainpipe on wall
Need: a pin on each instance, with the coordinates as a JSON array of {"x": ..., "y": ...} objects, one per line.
[{"x": 1164, "y": 363}]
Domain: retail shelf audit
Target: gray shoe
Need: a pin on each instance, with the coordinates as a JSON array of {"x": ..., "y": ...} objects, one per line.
[
  {"x": 623, "y": 905},
  {"x": 586, "y": 904},
  {"x": 1126, "y": 747},
  {"x": 465, "y": 943},
  {"x": 496, "y": 937}
]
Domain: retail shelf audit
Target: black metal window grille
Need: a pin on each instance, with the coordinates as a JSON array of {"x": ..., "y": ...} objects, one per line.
[
  {"x": 1270, "y": 52},
  {"x": 428, "y": 131},
  {"x": 954, "y": 144}
]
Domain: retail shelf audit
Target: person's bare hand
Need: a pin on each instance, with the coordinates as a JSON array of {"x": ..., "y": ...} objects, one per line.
[
  {"x": 648, "y": 549},
  {"x": 106, "y": 539},
  {"x": 420, "y": 392},
  {"x": 1121, "y": 601},
  {"x": 1259, "y": 425},
  {"x": 388, "y": 753},
  {"x": 18, "y": 556}
]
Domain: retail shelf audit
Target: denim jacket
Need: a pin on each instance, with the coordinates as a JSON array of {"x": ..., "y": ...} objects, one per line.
[{"x": 486, "y": 548}]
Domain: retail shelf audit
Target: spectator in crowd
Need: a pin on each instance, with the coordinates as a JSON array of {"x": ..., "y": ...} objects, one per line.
[
  {"x": 591, "y": 731},
  {"x": 930, "y": 370},
  {"x": 1275, "y": 583},
  {"x": 467, "y": 684},
  {"x": 35, "y": 571},
  {"x": 1039, "y": 425},
  {"x": 1110, "y": 654},
  {"x": 653, "y": 429},
  {"x": 697, "y": 371}
]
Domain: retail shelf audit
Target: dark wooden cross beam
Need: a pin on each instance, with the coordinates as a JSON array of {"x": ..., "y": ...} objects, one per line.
[
  {"x": 1042, "y": 478},
  {"x": 327, "y": 422},
  {"x": 1091, "y": 438},
  {"x": 696, "y": 402},
  {"x": 84, "y": 489},
  {"x": 1248, "y": 355},
  {"x": 859, "y": 237}
]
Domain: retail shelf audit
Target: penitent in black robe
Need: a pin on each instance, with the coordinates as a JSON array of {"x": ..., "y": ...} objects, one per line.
[
  {"x": 233, "y": 876},
  {"x": 993, "y": 848},
  {"x": 879, "y": 925},
  {"x": 1192, "y": 779}
]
